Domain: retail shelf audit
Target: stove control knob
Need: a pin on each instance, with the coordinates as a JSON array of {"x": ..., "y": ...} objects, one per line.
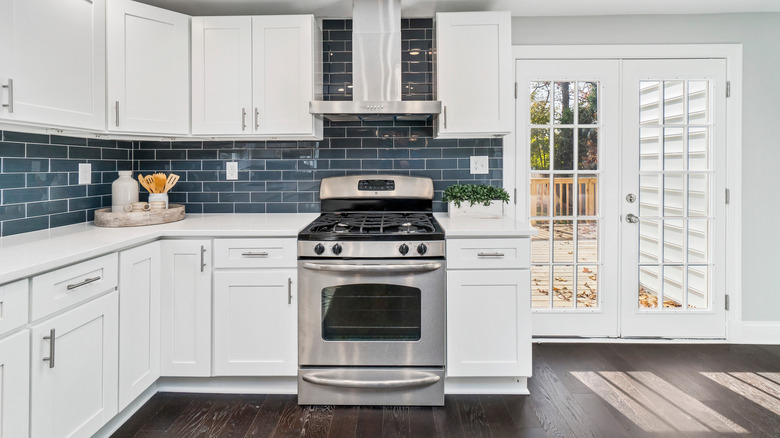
[
  {"x": 319, "y": 249},
  {"x": 336, "y": 249},
  {"x": 403, "y": 249},
  {"x": 422, "y": 249}
]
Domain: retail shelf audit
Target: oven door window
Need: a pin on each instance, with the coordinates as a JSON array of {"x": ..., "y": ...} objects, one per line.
[{"x": 371, "y": 312}]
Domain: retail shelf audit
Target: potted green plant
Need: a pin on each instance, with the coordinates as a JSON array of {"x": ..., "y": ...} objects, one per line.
[{"x": 475, "y": 200}]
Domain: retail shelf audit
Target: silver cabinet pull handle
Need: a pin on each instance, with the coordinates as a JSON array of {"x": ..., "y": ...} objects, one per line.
[
  {"x": 490, "y": 254},
  {"x": 51, "y": 340},
  {"x": 257, "y": 118},
  {"x": 632, "y": 219},
  {"x": 116, "y": 109},
  {"x": 10, "y": 104},
  {"x": 83, "y": 283},
  {"x": 243, "y": 119},
  {"x": 379, "y": 269},
  {"x": 445, "y": 116},
  {"x": 289, "y": 291},
  {"x": 202, "y": 257},
  {"x": 254, "y": 254},
  {"x": 422, "y": 380}
]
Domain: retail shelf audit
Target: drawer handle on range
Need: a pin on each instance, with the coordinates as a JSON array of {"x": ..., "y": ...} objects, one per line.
[
  {"x": 254, "y": 254},
  {"x": 10, "y": 104},
  {"x": 423, "y": 380},
  {"x": 51, "y": 339},
  {"x": 83, "y": 283},
  {"x": 490, "y": 254},
  {"x": 425, "y": 267}
]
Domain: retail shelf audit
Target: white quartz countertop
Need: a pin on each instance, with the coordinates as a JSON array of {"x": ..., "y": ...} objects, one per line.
[{"x": 28, "y": 254}]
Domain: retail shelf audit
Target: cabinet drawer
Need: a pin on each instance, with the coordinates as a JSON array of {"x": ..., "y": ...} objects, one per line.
[
  {"x": 64, "y": 287},
  {"x": 255, "y": 253},
  {"x": 488, "y": 253},
  {"x": 14, "y": 305}
]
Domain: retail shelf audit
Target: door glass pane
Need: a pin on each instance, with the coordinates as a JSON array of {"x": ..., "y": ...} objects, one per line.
[
  {"x": 587, "y": 192},
  {"x": 673, "y": 195},
  {"x": 540, "y": 149},
  {"x": 673, "y": 241},
  {"x": 673, "y": 102},
  {"x": 540, "y": 102},
  {"x": 698, "y": 102},
  {"x": 564, "y": 195},
  {"x": 588, "y": 148},
  {"x": 697, "y": 149},
  {"x": 563, "y": 247},
  {"x": 563, "y": 286},
  {"x": 649, "y": 102},
  {"x": 697, "y": 195},
  {"x": 564, "y": 149},
  {"x": 673, "y": 286},
  {"x": 587, "y": 101},
  {"x": 698, "y": 241},
  {"x": 540, "y": 194},
  {"x": 649, "y": 236},
  {"x": 540, "y": 244},
  {"x": 698, "y": 296},
  {"x": 371, "y": 312},
  {"x": 587, "y": 241},
  {"x": 564, "y": 103},
  {"x": 587, "y": 283},
  {"x": 673, "y": 149},
  {"x": 540, "y": 287},
  {"x": 649, "y": 289},
  {"x": 649, "y": 149},
  {"x": 649, "y": 195}
]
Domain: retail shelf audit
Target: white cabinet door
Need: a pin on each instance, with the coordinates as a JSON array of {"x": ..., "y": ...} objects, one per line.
[
  {"x": 185, "y": 308},
  {"x": 221, "y": 75},
  {"x": 282, "y": 72},
  {"x": 474, "y": 74},
  {"x": 74, "y": 392},
  {"x": 14, "y": 385},
  {"x": 255, "y": 323},
  {"x": 139, "y": 320},
  {"x": 148, "y": 69},
  {"x": 54, "y": 53},
  {"x": 488, "y": 323}
]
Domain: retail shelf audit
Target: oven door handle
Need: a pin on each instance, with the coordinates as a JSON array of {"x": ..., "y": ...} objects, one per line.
[
  {"x": 423, "y": 379},
  {"x": 381, "y": 269}
]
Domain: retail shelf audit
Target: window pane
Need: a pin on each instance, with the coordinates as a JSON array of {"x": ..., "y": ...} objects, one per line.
[
  {"x": 587, "y": 192},
  {"x": 673, "y": 241},
  {"x": 564, "y": 195},
  {"x": 564, "y": 103},
  {"x": 540, "y": 287},
  {"x": 649, "y": 238},
  {"x": 697, "y": 195},
  {"x": 563, "y": 245},
  {"x": 697, "y": 149},
  {"x": 649, "y": 149},
  {"x": 588, "y": 148},
  {"x": 698, "y": 297},
  {"x": 673, "y": 195},
  {"x": 587, "y": 283},
  {"x": 540, "y": 103},
  {"x": 540, "y": 149},
  {"x": 673, "y": 149},
  {"x": 587, "y": 241},
  {"x": 649, "y": 98},
  {"x": 563, "y": 286},
  {"x": 648, "y": 287},
  {"x": 698, "y": 102},
  {"x": 697, "y": 241},
  {"x": 540, "y": 244},
  {"x": 540, "y": 194},
  {"x": 673, "y": 286},
  {"x": 673, "y": 102},
  {"x": 587, "y": 100},
  {"x": 649, "y": 195},
  {"x": 564, "y": 148}
]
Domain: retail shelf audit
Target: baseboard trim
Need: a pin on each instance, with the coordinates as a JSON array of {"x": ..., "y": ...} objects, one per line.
[
  {"x": 486, "y": 385},
  {"x": 119, "y": 419},
  {"x": 759, "y": 332},
  {"x": 229, "y": 385}
]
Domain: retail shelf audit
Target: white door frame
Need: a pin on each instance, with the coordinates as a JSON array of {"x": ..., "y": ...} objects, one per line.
[{"x": 514, "y": 180}]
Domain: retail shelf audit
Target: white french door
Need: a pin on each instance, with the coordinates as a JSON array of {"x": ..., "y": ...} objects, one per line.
[
  {"x": 673, "y": 196},
  {"x": 622, "y": 160}
]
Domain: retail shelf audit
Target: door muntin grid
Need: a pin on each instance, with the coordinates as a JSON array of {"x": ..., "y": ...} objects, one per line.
[
  {"x": 564, "y": 148},
  {"x": 675, "y": 183}
]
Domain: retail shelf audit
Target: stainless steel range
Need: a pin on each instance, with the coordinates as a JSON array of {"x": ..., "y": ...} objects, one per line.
[{"x": 371, "y": 315}]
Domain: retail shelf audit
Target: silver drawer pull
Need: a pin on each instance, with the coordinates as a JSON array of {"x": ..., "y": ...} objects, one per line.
[
  {"x": 83, "y": 283},
  {"x": 10, "y": 104},
  {"x": 51, "y": 340},
  {"x": 202, "y": 258},
  {"x": 289, "y": 291},
  {"x": 254, "y": 254},
  {"x": 490, "y": 254}
]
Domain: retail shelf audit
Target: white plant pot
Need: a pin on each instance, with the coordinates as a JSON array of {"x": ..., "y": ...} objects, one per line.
[{"x": 477, "y": 211}]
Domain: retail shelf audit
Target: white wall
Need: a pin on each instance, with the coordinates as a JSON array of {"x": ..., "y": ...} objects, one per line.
[{"x": 760, "y": 35}]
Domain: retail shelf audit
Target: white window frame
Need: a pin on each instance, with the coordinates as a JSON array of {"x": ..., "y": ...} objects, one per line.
[{"x": 515, "y": 180}]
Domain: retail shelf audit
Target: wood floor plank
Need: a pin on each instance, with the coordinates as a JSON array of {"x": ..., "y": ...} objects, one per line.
[
  {"x": 175, "y": 404},
  {"x": 369, "y": 424},
  {"x": 472, "y": 416},
  {"x": 498, "y": 418},
  {"x": 317, "y": 421},
  {"x": 610, "y": 421},
  {"x": 141, "y": 416},
  {"x": 267, "y": 418},
  {"x": 344, "y": 422},
  {"x": 291, "y": 419},
  {"x": 188, "y": 424},
  {"x": 447, "y": 419},
  {"x": 421, "y": 422},
  {"x": 395, "y": 422},
  {"x": 242, "y": 417}
]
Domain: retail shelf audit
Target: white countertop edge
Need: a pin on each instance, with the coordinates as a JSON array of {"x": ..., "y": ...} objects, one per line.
[{"x": 484, "y": 228}]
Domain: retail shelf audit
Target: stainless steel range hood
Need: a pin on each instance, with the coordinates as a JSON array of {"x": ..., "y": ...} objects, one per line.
[{"x": 376, "y": 69}]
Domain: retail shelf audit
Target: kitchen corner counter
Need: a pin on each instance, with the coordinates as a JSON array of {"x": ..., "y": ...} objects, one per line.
[
  {"x": 485, "y": 228},
  {"x": 28, "y": 254}
]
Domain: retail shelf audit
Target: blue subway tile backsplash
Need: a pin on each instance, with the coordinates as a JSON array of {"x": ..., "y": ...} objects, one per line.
[{"x": 39, "y": 173}]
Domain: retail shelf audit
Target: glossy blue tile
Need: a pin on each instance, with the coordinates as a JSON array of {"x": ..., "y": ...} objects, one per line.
[
  {"x": 233, "y": 197},
  {"x": 266, "y": 197},
  {"x": 217, "y": 186},
  {"x": 17, "y": 196},
  {"x": 25, "y": 225},
  {"x": 250, "y": 208},
  {"x": 84, "y": 203},
  {"x": 101, "y": 143},
  {"x": 46, "y": 151},
  {"x": 217, "y": 208},
  {"x": 12, "y": 180},
  {"x": 249, "y": 186},
  {"x": 24, "y": 137},
  {"x": 280, "y": 208},
  {"x": 25, "y": 165},
  {"x": 46, "y": 179},
  {"x": 9, "y": 149},
  {"x": 203, "y": 197},
  {"x": 298, "y": 197},
  {"x": 46, "y": 208},
  {"x": 92, "y": 153},
  {"x": 75, "y": 217},
  {"x": 74, "y": 141},
  {"x": 68, "y": 192},
  {"x": 8, "y": 212}
]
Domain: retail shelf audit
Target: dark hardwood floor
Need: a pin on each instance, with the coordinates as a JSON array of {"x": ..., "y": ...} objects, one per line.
[{"x": 578, "y": 390}]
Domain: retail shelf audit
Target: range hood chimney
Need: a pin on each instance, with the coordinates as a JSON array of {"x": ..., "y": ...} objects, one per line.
[{"x": 376, "y": 69}]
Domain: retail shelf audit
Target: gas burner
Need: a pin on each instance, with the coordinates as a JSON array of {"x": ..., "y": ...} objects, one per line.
[
  {"x": 341, "y": 228},
  {"x": 407, "y": 228}
]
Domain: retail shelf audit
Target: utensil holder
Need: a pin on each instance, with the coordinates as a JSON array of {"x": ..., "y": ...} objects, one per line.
[{"x": 158, "y": 197}]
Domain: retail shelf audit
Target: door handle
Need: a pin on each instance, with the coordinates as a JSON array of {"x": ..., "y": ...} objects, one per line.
[
  {"x": 631, "y": 219},
  {"x": 51, "y": 340}
]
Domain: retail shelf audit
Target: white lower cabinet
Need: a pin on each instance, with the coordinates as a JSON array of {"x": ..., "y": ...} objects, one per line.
[
  {"x": 74, "y": 370},
  {"x": 139, "y": 320},
  {"x": 185, "y": 308},
  {"x": 255, "y": 323},
  {"x": 14, "y": 385}
]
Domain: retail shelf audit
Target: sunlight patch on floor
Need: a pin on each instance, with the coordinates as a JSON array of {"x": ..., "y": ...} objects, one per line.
[{"x": 760, "y": 388}]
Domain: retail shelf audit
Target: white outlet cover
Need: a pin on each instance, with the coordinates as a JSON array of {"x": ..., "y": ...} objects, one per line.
[
  {"x": 85, "y": 173},
  {"x": 479, "y": 165},
  {"x": 231, "y": 171}
]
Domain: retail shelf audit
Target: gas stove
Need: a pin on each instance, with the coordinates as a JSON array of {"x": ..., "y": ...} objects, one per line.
[{"x": 374, "y": 216}]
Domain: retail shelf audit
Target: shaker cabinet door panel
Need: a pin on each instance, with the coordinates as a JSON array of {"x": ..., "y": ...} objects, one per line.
[
  {"x": 15, "y": 385},
  {"x": 55, "y": 56},
  {"x": 148, "y": 69}
]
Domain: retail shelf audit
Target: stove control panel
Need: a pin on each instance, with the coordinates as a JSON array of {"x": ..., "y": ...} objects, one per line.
[{"x": 369, "y": 249}]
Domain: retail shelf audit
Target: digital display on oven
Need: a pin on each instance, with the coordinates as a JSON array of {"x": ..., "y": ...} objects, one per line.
[{"x": 375, "y": 185}]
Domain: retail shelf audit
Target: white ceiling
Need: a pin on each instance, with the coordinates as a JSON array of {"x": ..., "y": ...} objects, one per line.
[{"x": 427, "y": 8}]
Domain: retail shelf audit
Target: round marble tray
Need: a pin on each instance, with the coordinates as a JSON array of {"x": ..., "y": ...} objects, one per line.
[{"x": 105, "y": 218}]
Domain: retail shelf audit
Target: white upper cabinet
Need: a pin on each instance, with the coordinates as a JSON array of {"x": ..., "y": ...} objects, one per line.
[
  {"x": 255, "y": 75},
  {"x": 148, "y": 69},
  {"x": 53, "y": 62},
  {"x": 474, "y": 74}
]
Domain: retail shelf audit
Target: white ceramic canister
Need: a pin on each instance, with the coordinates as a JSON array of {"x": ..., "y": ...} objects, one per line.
[{"x": 124, "y": 191}]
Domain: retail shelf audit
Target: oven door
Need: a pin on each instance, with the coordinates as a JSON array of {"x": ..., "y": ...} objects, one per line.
[{"x": 371, "y": 312}]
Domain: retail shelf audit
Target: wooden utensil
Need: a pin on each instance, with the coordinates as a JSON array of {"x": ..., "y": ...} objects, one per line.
[
  {"x": 150, "y": 183},
  {"x": 159, "y": 182},
  {"x": 143, "y": 182},
  {"x": 172, "y": 180}
]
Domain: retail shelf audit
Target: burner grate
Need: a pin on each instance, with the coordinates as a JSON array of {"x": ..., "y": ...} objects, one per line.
[{"x": 372, "y": 223}]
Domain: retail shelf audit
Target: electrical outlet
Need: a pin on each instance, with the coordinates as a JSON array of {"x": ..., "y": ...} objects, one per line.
[
  {"x": 231, "y": 171},
  {"x": 479, "y": 165},
  {"x": 85, "y": 173}
]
